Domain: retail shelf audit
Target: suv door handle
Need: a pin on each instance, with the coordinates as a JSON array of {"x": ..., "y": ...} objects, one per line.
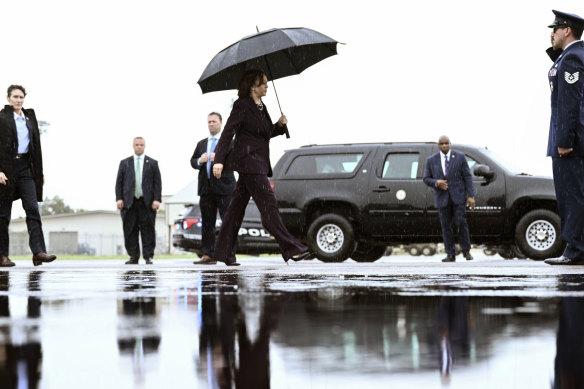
[{"x": 382, "y": 188}]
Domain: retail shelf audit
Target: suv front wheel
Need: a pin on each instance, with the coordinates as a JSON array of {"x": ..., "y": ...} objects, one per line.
[
  {"x": 538, "y": 234},
  {"x": 331, "y": 237},
  {"x": 368, "y": 253}
]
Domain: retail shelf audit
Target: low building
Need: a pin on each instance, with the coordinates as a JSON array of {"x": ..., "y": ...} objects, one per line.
[{"x": 91, "y": 232}]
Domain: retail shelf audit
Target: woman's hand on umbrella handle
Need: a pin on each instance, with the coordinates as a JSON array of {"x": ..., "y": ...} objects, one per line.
[
  {"x": 282, "y": 121},
  {"x": 217, "y": 169}
]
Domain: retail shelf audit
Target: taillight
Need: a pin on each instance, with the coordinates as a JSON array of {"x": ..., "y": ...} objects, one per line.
[
  {"x": 272, "y": 185},
  {"x": 187, "y": 223}
]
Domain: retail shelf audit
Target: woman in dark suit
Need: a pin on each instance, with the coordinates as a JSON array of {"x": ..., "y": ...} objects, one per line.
[{"x": 250, "y": 122}]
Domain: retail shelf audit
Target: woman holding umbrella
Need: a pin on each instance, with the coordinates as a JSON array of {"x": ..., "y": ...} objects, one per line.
[{"x": 249, "y": 155}]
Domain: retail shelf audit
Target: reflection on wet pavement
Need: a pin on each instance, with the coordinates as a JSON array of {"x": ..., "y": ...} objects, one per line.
[{"x": 206, "y": 329}]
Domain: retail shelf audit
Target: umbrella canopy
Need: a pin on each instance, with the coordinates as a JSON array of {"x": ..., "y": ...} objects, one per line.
[{"x": 278, "y": 52}]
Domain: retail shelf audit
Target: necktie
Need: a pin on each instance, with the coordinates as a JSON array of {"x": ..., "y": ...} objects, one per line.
[
  {"x": 446, "y": 165},
  {"x": 211, "y": 150},
  {"x": 138, "y": 188}
]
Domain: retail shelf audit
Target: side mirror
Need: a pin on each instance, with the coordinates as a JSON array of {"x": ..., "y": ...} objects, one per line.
[{"x": 485, "y": 172}]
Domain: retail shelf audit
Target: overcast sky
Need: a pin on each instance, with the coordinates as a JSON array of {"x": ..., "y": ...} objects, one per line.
[{"x": 103, "y": 72}]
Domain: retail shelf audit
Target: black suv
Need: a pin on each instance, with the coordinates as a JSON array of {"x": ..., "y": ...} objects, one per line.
[
  {"x": 353, "y": 200},
  {"x": 252, "y": 239}
]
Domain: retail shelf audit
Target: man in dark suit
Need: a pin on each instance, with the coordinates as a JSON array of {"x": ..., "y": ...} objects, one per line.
[
  {"x": 214, "y": 194},
  {"x": 138, "y": 195},
  {"x": 566, "y": 135},
  {"x": 21, "y": 174},
  {"x": 447, "y": 172}
]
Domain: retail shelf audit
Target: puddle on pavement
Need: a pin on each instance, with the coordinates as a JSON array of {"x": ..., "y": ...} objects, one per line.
[{"x": 153, "y": 329}]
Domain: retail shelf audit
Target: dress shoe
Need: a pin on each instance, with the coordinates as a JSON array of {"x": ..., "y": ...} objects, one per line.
[
  {"x": 467, "y": 256},
  {"x": 132, "y": 261},
  {"x": 39, "y": 258},
  {"x": 6, "y": 262},
  {"x": 232, "y": 263},
  {"x": 564, "y": 261},
  {"x": 148, "y": 261},
  {"x": 205, "y": 260},
  {"x": 449, "y": 258}
]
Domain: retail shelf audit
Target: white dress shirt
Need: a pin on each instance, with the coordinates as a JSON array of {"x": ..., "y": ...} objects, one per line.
[{"x": 443, "y": 160}]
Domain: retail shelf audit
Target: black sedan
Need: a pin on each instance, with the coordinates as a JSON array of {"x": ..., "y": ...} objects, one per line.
[{"x": 253, "y": 238}]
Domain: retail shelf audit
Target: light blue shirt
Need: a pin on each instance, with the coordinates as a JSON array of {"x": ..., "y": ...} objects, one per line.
[
  {"x": 141, "y": 158},
  {"x": 22, "y": 132},
  {"x": 209, "y": 143}
]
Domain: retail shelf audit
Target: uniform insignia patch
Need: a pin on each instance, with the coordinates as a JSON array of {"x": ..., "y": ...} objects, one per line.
[
  {"x": 553, "y": 72},
  {"x": 551, "y": 86},
  {"x": 571, "y": 78}
]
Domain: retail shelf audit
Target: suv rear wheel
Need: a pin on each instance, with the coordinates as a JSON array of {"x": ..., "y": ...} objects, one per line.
[
  {"x": 331, "y": 237},
  {"x": 368, "y": 253},
  {"x": 538, "y": 234},
  {"x": 428, "y": 251}
]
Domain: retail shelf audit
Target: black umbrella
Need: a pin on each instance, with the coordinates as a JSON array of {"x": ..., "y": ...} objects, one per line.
[{"x": 279, "y": 52}]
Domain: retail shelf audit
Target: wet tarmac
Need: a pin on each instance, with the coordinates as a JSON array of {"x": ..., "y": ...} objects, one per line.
[{"x": 397, "y": 323}]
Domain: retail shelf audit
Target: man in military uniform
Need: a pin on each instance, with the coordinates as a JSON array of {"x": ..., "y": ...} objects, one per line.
[{"x": 566, "y": 136}]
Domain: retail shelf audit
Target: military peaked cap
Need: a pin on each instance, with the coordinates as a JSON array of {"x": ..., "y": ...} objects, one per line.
[{"x": 564, "y": 19}]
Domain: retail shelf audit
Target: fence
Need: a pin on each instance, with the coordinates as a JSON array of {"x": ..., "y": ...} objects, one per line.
[{"x": 73, "y": 242}]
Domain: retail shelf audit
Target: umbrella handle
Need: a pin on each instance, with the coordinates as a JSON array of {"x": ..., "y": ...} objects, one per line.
[{"x": 278, "y": 100}]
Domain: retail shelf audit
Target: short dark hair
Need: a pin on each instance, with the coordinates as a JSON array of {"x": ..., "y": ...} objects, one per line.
[
  {"x": 248, "y": 80},
  {"x": 577, "y": 32},
  {"x": 216, "y": 114},
  {"x": 15, "y": 87}
]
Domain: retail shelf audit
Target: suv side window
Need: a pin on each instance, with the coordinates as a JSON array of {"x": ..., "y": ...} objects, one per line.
[
  {"x": 471, "y": 164},
  {"x": 318, "y": 165},
  {"x": 401, "y": 166}
]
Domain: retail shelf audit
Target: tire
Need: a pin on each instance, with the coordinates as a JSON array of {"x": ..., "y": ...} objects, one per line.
[
  {"x": 368, "y": 253},
  {"x": 331, "y": 237},
  {"x": 506, "y": 253},
  {"x": 428, "y": 251},
  {"x": 414, "y": 251},
  {"x": 538, "y": 235}
]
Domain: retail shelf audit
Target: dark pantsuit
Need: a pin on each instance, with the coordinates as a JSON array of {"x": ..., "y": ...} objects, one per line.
[
  {"x": 139, "y": 219},
  {"x": 26, "y": 190},
  {"x": 258, "y": 187},
  {"x": 209, "y": 204},
  {"x": 569, "y": 184},
  {"x": 454, "y": 215}
]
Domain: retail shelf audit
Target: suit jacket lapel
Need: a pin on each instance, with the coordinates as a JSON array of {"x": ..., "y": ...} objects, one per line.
[
  {"x": 259, "y": 115},
  {"x": 132, "y": 170},
  {"x": 206, "y": 147},
  {"x": 145, "y": 165},
  {"x": 30, "y": 132},
  {"x": 439, "y": 161},
  {"x": 12, "y": 125}
]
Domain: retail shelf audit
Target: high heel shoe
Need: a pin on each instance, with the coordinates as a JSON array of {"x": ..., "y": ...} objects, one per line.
[{"x": 301, "y": 256}]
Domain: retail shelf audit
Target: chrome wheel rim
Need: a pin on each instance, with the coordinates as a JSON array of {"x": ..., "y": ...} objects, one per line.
[
  {"x": 330, "y": 238},
  {"x": 541, "y": 235}
]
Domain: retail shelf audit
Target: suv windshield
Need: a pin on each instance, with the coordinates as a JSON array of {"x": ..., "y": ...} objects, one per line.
[{"x": 509, "y": 164}]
